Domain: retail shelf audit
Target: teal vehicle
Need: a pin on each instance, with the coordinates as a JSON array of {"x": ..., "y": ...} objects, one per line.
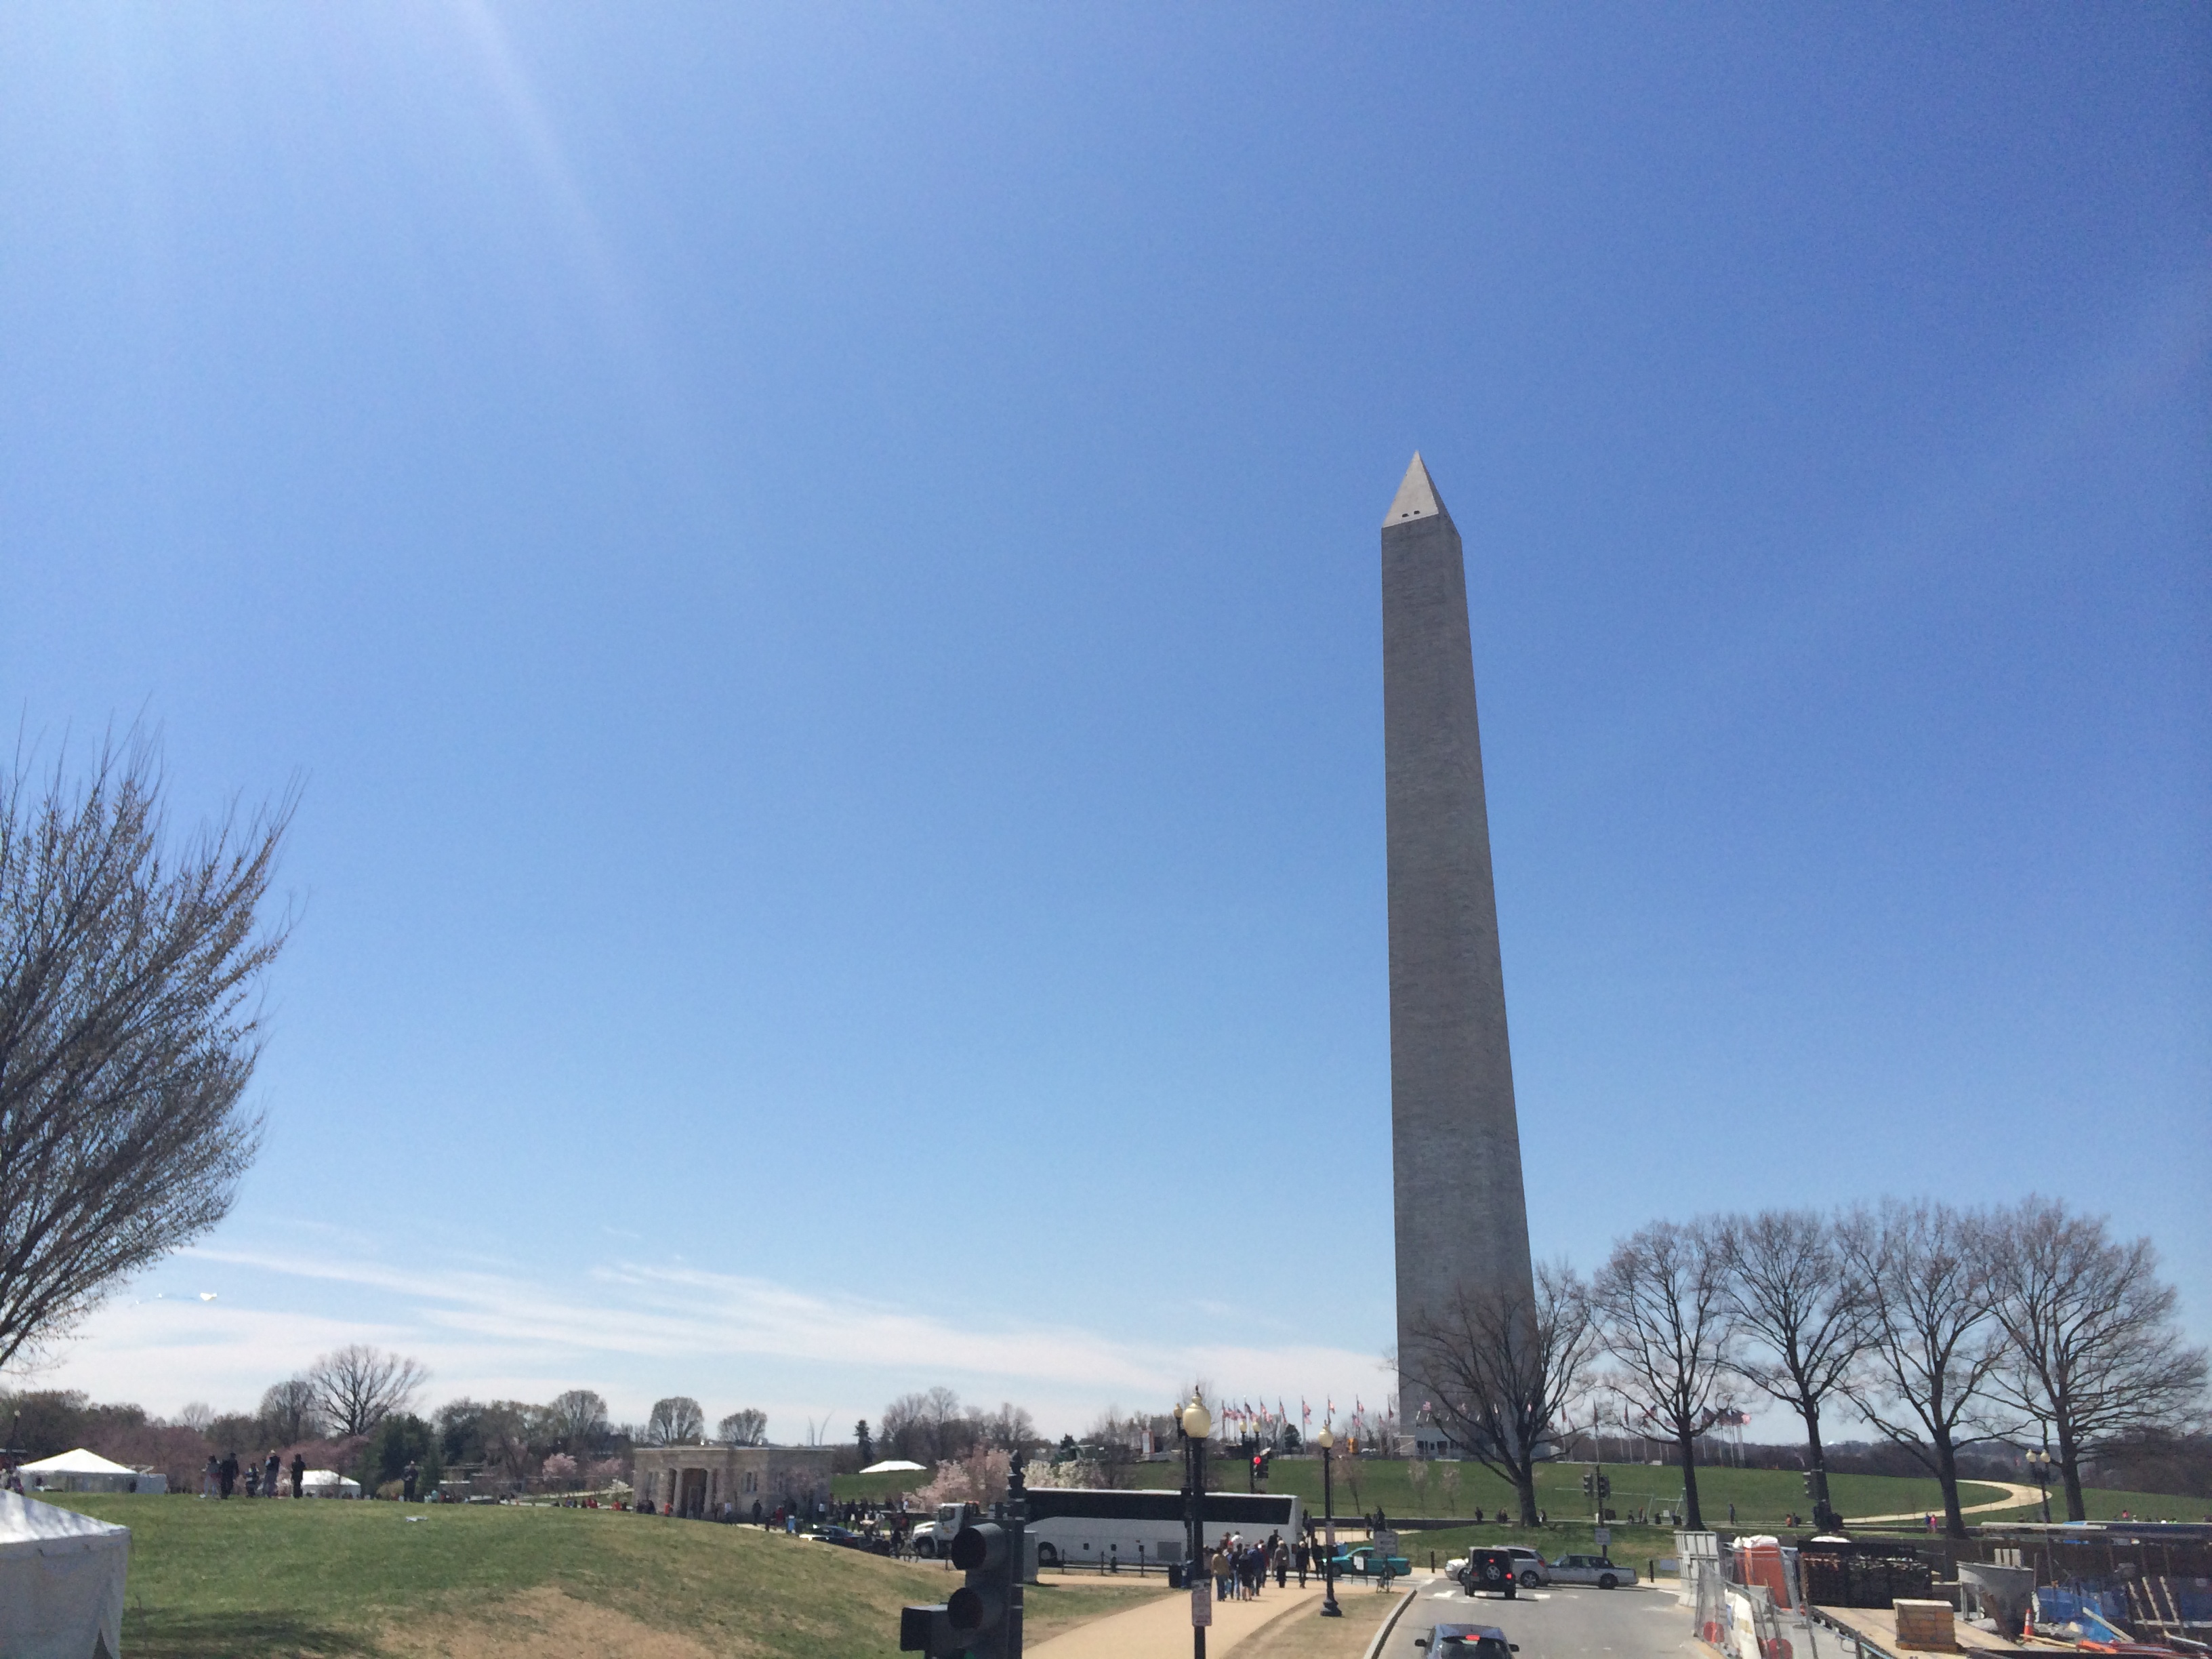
[{"x": 1363, "y": 1562}]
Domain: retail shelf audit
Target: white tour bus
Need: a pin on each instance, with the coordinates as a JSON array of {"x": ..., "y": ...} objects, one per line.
[{"x": 1076, "y": 1525}]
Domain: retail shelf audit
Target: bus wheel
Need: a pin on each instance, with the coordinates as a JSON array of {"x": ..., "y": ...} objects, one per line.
[{"x": 1048, "y": 1556}]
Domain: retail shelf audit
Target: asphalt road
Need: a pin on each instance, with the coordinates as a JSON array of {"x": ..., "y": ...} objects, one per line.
[{"x": 1559, "y": 1622}]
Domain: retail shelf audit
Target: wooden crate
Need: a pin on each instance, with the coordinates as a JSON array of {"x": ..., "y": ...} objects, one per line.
[{"x": 1926, "y": 1624}]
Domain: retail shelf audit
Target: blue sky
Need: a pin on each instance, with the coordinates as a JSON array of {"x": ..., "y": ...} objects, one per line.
[{"x": 817, "y": 568}]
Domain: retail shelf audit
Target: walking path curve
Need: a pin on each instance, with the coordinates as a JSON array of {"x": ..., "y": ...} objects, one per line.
[
  {"x": 2015, "y": 1497},
  {"x": 1163, "y": 1627}
]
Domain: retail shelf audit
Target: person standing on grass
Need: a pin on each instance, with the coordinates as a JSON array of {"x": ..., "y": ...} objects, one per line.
[
  {"x": 269, "y": 1472},
  {"x": 408, "y": 1476},
  {"x": 211, "y": 1477},
  {"x": 298, "y": 1475},
  {"x": 226, "y": 1472}
]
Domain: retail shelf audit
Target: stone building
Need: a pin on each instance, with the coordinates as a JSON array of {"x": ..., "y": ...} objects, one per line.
[{"x": 699, "y": 1480}]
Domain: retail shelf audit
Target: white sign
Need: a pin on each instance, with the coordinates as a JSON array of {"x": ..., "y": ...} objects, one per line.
[
  {"x": 1386, "y": 1543},
  {"x": 1202, "y": 1602},
  {"x": 1604, "y": 1536}
]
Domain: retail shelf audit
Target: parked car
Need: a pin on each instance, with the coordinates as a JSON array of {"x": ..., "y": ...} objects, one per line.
[
  {"x": 1591, "y": 1569},
  {"x": 1363, "y": 1562},
  {"x": 1467, "y": 1642},
  {"x": 1492, "y": 1571},
  {"x": 846, "y": 1538}
]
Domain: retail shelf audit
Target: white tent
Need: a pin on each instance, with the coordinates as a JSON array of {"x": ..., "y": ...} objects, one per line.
[
  {"x": 61, "y": 1581},
  {"x": 327, "y": 1482},
  {"x": 86, "y": 1471},
  {"x": 893, "y": 1465}
]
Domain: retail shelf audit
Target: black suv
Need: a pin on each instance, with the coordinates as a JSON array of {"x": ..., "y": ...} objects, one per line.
[{"x": 1492, "y": 1571}]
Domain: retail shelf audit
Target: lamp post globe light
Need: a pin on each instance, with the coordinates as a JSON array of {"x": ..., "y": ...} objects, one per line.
[
  {"x": 2039, "y": 1464},
  {"x": 1327, "y": 1441},
  {"x": 1193, "y": 1422}
]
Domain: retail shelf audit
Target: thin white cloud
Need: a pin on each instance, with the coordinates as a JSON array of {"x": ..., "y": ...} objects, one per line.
[{"x": 634, "y": 1330}]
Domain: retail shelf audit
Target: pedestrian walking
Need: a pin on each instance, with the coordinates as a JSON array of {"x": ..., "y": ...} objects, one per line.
[
  {"x": 211, "y": 1477},
  {"x": 1300, "y": 1556},
  {"x": 1282, "y": 1564}
]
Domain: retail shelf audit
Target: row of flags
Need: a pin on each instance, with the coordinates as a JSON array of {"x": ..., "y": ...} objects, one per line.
[{"x": 1238, "y": 1419}]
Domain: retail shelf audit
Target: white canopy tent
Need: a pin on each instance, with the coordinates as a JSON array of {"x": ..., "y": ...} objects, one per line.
[
  {"x": 87, "y": 1471},
  {"x": 61, "y": 1582},
  {"x": 893, "y": 1465},
  {"x": 327, "y": 1482}
]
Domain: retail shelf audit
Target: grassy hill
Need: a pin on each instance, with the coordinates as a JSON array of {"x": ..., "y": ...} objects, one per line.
[
  {"x": 1762, "y": 1496},
  {"x": 243, "y": 1580}
]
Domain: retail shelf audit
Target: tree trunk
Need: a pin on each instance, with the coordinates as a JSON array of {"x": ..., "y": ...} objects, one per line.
[
  {"x": 1692, "y": 1514},
  {"x": 1946, "y": 1472},
  {"x": 1825, "y": 1513},
  {"x": 1524, "y": 1484},
  {"x": 2069, "y": 1466}
]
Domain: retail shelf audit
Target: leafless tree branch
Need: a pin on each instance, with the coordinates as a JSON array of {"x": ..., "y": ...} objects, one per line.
[{"x": 127, "y": 1033}]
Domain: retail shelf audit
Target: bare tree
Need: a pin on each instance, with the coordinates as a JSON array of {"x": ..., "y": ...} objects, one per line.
[
  {"x": 747, "y": 1426},
  {"x": 1663, "y": 1313},
  {"x": 675, "y": 1421},
  {"x": 2096, "y": 1358},
  {"x": 127, "y": 1036},
  {"x": 291, "y": 1411},
  {"x": 1933, "y": 1350},
  {"x": 1010, "y": 1428},
  {"x": 1504, "y": 1367},
  {"x": 358, "y": 1387},
  {"x": 508, "y": 1427},
  {"x": 1806, "y": 1319},
  {"x": 576, "y": 1421}
]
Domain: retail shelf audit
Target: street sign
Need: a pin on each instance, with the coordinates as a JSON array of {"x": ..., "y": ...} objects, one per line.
[
  {"x": 1201, "y": 1603},
  {"x": 1386, "y": 1543},
  {"x": 1604, "y": 1536}
]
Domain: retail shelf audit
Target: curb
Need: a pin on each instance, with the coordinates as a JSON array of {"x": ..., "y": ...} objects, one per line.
[{"x": 1390, "y": 1624}]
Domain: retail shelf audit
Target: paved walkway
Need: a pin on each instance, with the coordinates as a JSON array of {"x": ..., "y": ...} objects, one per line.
[
  {"x": 2015, "y": 1497},
  {"x": 1161, "y": 1629}
]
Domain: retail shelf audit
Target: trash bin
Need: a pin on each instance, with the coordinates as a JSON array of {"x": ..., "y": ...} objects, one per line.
[{"x": 1175, "y": 1575}]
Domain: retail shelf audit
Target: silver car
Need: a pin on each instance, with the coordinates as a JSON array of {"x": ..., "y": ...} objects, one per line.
[
  {"x": 1591, "y": 1569},
  {"x": 1529, "y": 1567}
]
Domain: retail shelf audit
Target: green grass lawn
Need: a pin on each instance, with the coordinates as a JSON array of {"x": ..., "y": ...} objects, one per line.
[
  {"x": 248, "y": 1580},
  {"x": 1762, "y": 1496}
]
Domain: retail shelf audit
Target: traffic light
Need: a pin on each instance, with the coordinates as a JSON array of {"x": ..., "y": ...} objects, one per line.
[
  {"x": 1809, "y": 1493},
  {"x": 977, "y": 1610},
  {"x": 1605, "y": 1486},
  {"x": 972, "y": 1620},
  {"x": 1589, "y": 1484}
]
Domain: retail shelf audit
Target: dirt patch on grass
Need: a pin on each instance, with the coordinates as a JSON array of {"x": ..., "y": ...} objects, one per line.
[{"x": 545, "y": 1623}]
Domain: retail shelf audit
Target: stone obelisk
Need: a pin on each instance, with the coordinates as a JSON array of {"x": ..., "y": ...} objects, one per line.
[{"x": 1462, "y": 1217}]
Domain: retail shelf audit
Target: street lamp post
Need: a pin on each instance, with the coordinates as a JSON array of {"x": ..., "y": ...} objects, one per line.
[
  {"x": 2039, "y": 1464},
  {"x": 1328, "y": 1608},
  {"x": 1194, "y": 1423}
]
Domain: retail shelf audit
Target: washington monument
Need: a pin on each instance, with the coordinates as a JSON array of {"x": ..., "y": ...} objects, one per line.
[{"x": 1463, "y": 1217}]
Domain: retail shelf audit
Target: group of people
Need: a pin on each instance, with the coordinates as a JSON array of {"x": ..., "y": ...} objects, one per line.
[
  {"x": 220, "y": 1478},
  {"x": 1240, "y": 1569}
]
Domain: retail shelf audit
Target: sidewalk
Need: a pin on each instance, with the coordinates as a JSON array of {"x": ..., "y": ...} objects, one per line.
[
  {"x": 2016, "y": 1498},
  {"x": 1161, "y": 1630}
]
